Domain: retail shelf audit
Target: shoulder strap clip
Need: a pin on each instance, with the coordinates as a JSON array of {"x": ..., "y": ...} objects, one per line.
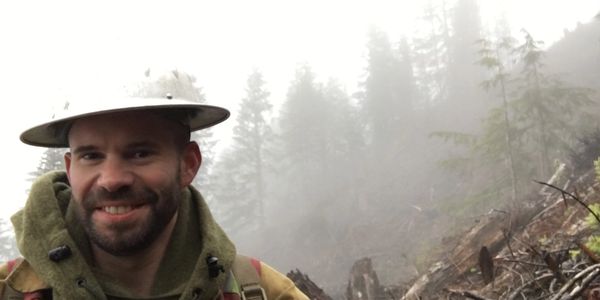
[{"x": 252, "y": 292}]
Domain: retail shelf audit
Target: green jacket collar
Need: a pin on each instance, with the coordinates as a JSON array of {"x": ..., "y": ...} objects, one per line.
[{"x": 42, "y": 226}]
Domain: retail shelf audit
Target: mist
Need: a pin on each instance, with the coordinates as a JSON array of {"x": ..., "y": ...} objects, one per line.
[
  {"x": 452, "y": 116},
  {"x": 444, "y": 126}
]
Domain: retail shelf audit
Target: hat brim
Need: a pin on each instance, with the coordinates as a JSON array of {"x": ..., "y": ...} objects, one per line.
[{"x": 52, "y": 135}]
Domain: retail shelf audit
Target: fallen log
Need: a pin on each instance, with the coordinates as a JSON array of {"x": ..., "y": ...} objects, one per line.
[{"x": 489, "y": 232}]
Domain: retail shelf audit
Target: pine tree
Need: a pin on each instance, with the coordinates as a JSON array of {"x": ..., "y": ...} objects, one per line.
[
  {"x": 545, "y": 106},
  {"x": 8, "y": 243},
  {"x": 319, "y": 170},
  {"x": 387, "y": 101},
  {"x": 493, "y": 57},
  {"x": 250, "y": 134},
  {"x": 431, "y": 53},
  {"x": 240, "y": 176},
  {"x": 228, "y": 190},
  {"x": 301, "y": 117},
  {"x": 536, "y": 107},
  {"x": 52, "y": 159},
  {"x": 465, "y": 105}
]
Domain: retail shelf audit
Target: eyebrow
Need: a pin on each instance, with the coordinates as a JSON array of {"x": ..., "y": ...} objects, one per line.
[
  {"x": 140, "y": 144},
  {"x": 85, "y": 148}
]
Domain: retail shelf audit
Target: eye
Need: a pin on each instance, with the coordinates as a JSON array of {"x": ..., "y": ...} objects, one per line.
[
  {"x": 90, "y": 156},
  {"x": 140, "y": 154}
]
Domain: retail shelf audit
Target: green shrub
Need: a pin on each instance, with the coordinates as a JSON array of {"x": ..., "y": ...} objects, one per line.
[
  {"x": 590, "y": 220},
  {"x": 593, "y": 243},
  {"x": 597, "y": 168}
]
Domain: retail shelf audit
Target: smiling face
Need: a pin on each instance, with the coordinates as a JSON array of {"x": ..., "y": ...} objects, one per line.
[{"x": 127, "y": 172}]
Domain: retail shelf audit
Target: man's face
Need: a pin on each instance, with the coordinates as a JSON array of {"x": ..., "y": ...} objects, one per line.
[{"x": 126, "y": 175}]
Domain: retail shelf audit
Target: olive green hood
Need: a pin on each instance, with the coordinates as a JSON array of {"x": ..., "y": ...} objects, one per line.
[{"x": 46, "y": 223}]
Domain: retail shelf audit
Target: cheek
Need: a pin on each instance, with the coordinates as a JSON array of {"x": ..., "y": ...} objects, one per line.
[
  {"x": 159, "y": 175},
  {"x": 80, "y": 183},
  {"x": 169, "y": 177}
]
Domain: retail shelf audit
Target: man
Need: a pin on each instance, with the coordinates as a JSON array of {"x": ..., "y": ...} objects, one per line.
[{"x": 123, "y": 221}]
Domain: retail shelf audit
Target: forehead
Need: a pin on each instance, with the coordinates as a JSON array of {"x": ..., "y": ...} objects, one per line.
[{"x": 136, "y": 125}]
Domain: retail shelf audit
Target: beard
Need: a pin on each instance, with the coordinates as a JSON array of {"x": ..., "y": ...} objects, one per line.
[{"x": 125, "y": 239}]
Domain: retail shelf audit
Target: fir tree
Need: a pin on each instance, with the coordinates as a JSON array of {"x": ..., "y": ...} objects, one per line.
[
  {"x": 52, "y": 160},
  {"x": 387, "y": 101},
  {"x": 240, "y": 175},
  {"x": 8, "y": 243},
  {"x": 545, "y": 106},
  {"x": 465, "y": 106},
  {"x": 493, "y": 57},
  {"x": 431, "y": 53}
]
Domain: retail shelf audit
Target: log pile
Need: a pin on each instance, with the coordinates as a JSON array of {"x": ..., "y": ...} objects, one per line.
[
  {"x": 539, "y": 253},
  {"x": 536, "y": 252}
]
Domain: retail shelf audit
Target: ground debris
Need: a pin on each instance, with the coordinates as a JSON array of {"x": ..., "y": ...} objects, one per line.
[{"x": 537, "y": 252}]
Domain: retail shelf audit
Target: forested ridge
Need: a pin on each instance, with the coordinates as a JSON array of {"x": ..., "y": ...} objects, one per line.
[{"x": 444, "y": 126}]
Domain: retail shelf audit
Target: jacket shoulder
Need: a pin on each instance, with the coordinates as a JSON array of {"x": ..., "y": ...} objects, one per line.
[
  {"x": 277, "y": 285},
  {"x": 18, "y": 275},
  {"x": 3, "y": 271},
  {"x": 3, "y": 274},
  {"x": 254, "y": 274}
]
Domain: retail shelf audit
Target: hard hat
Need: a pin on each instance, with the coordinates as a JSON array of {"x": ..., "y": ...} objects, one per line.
[{"x": 169, "y": 91}]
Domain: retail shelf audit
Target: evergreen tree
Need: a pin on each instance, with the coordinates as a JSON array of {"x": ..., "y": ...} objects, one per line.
[
  {"x": 388, "y": 91},
  {"x": 465, "y": 105},
  {"x": 301, "y": 115},
  {"x": 300, "y": 180},
  {"x": 52, "y": 159},
  {"x": 8, "y": 243},
  {"x": 545, "y": 106},
  {"x": 431, "y": 53},
  {"x": 492, "y": 57},
  {"x": 388, "y": 116},
  {"x": 240, "y": 176},
  {"x": 228, "y": 190},
  {"x": 344, "y": 168},
  {"x": 535, "y": 124},
  {"x": 302, "y": 134},
  {"x": 250, "y": 134},
  {"x": 319, "y": 171}
]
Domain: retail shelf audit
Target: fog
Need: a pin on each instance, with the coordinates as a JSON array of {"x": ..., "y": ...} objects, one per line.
[{"x": 358, "y": 130}]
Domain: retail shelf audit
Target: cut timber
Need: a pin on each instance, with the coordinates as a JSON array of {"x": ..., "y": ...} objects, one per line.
[{"x": 489, "y": 232}]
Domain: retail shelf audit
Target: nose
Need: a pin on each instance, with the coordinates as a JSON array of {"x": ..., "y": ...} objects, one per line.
[{"x": 114, "y": 175}]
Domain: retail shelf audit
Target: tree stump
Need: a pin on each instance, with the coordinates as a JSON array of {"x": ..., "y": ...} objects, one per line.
[{"x": 363, "y": 283}]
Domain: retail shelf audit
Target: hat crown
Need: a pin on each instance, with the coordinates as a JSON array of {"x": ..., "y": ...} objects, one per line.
[
  {"x": 154, "y": 87},
  {"x": 177, "y": 84},
  {"x": 170, "y": 90}
]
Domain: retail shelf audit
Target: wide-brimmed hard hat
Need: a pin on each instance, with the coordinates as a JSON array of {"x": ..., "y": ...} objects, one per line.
[{"x": 173, "y": 91}]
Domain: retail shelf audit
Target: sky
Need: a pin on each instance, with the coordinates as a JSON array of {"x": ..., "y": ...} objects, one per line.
[{"x": 56, "y": 49}]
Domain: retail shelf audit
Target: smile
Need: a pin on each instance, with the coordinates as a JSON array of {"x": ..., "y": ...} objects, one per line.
[{"x": 117, "y": 210}]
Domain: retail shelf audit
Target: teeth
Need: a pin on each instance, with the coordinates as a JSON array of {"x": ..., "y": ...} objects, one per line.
[{"x": 117, "y": 210}]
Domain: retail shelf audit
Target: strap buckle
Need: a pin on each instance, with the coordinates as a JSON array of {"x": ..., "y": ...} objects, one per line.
[{"x": 253, "y": 292}]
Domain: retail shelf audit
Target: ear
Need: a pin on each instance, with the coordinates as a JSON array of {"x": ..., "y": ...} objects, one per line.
[
  {"x": 67, "y": 158},
  {"x": 191, "y": 159}
]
